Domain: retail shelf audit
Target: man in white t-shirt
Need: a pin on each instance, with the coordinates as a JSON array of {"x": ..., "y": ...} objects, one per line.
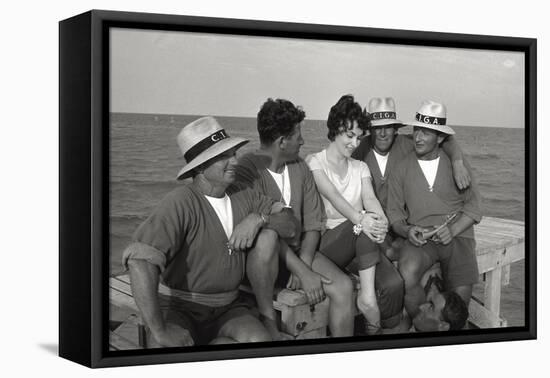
[
  {"x": 434, "y": 216},
  {"x": 277, "y": 171},
  {"x": 186, "y": 260}
]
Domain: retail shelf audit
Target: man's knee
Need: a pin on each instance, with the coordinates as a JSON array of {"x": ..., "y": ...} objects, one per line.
[
  {"x": 341, "y": 287},
  {"x": 265, "y": 248},
  {"x": 411, "y": 269},
  {"x": 255, "y": 336}
]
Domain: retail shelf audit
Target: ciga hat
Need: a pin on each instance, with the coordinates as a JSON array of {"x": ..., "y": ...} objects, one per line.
[
  {"x": 382, "y": 112},
  {"x": 432, "y": 115},
  {"x": 202, "y": 140}
]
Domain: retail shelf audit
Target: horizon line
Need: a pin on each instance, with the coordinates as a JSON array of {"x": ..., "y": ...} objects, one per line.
[{"x": 306, "y": 119}]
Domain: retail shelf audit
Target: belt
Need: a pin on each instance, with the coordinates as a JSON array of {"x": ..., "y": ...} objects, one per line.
[{"x": 211, "y": 300}]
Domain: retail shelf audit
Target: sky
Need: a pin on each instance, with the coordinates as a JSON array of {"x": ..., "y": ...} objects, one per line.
[{"x": 223, "y": 75}]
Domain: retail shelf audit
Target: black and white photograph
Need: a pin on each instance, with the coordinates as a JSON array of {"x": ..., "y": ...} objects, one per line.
[
  {"x": 275, "y": 188},
  {"x": 272, "y": 190}
]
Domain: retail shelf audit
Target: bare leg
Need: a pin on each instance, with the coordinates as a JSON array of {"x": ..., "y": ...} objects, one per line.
[
  {"x": 340, "y": 293},
  {"x": 262, "y": 268},
  {"x": 366, "y": 300},
  {"x": 413, "y": 262},
  {"x": 222, "y": 340},
  {"x": 241, "y": 327}
]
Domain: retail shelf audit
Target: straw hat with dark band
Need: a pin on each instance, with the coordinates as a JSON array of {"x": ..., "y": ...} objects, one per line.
[
  {"x": 432, "y": 115},
  {"x": 202, "y": 140},
  {"x": 382, "y": 112}
]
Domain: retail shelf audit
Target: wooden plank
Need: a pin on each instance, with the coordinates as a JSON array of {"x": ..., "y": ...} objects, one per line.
[
  {"x": 318, "y": 333},
  {"x": 117, "y": 342},
  {"x": 119, "y": 284},
  {"x": 501, "y": 257},
  {"x": 296, "y": 320},
  {"x": 481, "y": 317},
  {"x": 121, "y": 299},
  {"x": 292, "y": 297},
  {"x": 505, "y": 275},
  {"x": 493, "y": 280}
]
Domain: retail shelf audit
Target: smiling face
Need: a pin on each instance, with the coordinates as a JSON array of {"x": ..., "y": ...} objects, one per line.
[
  {"x": 347, "y": 141},
  {"x": 383, "y": 137},
  {"x": 220, "y": 171}
]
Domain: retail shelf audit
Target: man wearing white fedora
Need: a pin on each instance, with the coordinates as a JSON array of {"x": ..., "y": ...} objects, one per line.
[
  {"x": 186, "y": 260},
  {"x": 434, "y": 216},
  {"x": 385, "y": 147},
  {"x": 277, "y": 171}
]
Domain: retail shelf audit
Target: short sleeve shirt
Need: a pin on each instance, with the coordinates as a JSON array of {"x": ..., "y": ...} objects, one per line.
[{"x": 349, "y": 186}]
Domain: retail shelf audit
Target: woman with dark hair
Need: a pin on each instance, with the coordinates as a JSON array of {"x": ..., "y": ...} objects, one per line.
[{"x": 356, "y": 223}]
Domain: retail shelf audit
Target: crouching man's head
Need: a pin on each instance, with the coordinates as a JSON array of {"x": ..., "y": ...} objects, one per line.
[{"x": 443, "y": 310}]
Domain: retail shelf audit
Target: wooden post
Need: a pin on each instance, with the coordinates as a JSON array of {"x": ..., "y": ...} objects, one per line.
[{"x": 492, "y": 290}]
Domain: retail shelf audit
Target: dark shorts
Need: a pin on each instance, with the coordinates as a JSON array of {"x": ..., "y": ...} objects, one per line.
[
  {"x": 341, "y": 246},
  {"x": 358, "y": 252},
  {"x": 203, "y": 322},
  {"x": 457, "y": 259}
]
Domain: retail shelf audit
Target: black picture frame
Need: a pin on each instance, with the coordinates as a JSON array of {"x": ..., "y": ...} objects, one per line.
[{"x": 84, "y": 185}]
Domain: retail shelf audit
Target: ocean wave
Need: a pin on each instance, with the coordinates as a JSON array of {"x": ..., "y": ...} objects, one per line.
[
  {"x": 127, "y": 217},
  {"x": 508, "y": 202},
  {"x": 483, "y": 156},
  {"x": 145, "y": 182}
]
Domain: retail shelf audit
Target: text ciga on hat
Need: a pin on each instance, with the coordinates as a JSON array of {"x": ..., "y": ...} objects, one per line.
[
  {"x": 432, "y": 115},
  {"x": 202, "y": 140},
  {"x": 382, "y": 112}
]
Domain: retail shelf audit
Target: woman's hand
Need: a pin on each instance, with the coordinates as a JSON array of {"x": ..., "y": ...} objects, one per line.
[{"x": 375, "y": 226}]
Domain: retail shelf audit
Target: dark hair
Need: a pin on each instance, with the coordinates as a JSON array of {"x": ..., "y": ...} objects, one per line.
[
  {"x": 278, "y": 118},
  {"x": 455, "y": 311},
  {"x": 342, "y": 115}
]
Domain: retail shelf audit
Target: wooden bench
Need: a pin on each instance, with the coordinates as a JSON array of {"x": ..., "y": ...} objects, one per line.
[
  {"x": 297, "y": 318},
  {"x": 500, "y": 242}
]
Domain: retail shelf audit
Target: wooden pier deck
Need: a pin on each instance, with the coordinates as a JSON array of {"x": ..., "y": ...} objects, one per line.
[{"x": 499, "y": 243}]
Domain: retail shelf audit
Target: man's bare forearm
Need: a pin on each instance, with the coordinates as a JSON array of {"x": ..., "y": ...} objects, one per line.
[
  {"x": 401, "y": 228},
  {"x": 452, "y": 149},
  {"x": 309, "y": 246},
  {"x": 463, "y": 222},
  {"x": 144, "y": 278}
]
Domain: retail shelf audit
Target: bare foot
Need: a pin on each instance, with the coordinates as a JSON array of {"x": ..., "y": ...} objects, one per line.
[{"x": 271, "y": 326}]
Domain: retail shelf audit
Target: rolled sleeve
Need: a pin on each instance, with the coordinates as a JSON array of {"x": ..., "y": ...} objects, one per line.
[
  {"x": 141, "y": 251},
  {"x": 314, "y": 218},
  {"x": 158, "y": 239}
]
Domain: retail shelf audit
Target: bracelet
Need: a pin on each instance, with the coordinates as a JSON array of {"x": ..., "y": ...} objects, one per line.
[
  {"x": 265, "y": 218},
  {"x": 357, "y": 228}
]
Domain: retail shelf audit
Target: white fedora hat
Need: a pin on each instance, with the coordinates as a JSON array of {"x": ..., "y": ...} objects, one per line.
[
  {"x": 202, "y": 140},
  {"x": 432, "y": 115},
  {"x": 382, "y": 112}
]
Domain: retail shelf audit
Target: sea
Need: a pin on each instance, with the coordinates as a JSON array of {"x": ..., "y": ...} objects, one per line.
[{"x": 145, "y": 159}]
